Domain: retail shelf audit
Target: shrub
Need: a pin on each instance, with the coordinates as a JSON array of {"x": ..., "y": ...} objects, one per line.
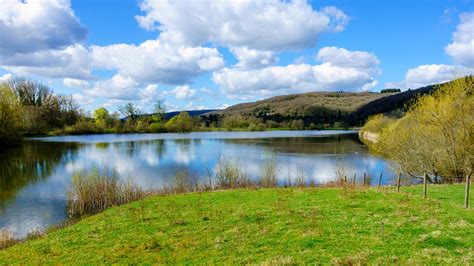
[
  {"x": 376, "y": 123},
  {"x": 436, "y": 135},
  {"x": 92, "y": 192}
]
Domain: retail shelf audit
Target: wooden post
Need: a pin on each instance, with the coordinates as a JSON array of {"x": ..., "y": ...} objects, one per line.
[
  {"x": 365, "y": 177},
  {"x": 380, "y": 179},
  {"x": 398, "y": 182},
  {"x": 425, "y": 177},
  {"x": 354, "y": 179},
  {"x": 466, "y": 194}
]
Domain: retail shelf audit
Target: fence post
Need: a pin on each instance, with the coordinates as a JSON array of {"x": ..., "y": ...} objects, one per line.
[
  {"x": 354, "y": 180},
  {"x": 398, "y": 182},
  {"x": 380, "y": 179},
  {"x": 425, "y": 177},
  {"x": 365, "y": 176},
  {"x": 466, "y": 195}
]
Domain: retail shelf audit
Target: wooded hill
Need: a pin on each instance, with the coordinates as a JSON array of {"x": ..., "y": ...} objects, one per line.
[{"x": 351, "y": 109}]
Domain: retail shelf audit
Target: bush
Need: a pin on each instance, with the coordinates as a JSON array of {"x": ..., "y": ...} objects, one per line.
[
  {"x": 436, "y": 135},
  {"x": 157, "y": 127},
  {"x": 376, "y": 123},
  {"x": 180, "y": 123},
  {"x": 92, "y": 193},
  {"x": 83, "y": 127}
]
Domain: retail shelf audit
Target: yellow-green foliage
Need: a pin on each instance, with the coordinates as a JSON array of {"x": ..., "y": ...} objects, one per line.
[
  {"x": 376, "y": 123},
  {"x": 10, "y": 116},
  {"x": 437, "y": 133},
  {"x": 180, "y": 123}
]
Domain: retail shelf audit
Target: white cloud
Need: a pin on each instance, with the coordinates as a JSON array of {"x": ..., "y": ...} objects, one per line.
[
  {"x": 37, "y": 25},
  {"x": 263, "y": 25},
  {"x": 75, "y": 83},
  {"x": 184, "y": 92},
  {"x": 293, "y": 79},
  {"x": 250, "y": 58},
  {"x": 83, "y": 100},
  {"x": 461, "y": 51},
  {"x": 462, "y": 47},
  {"x": 156, "y": 61},
  {"x": 118, "y": 87},
  {"x": 341, "y": 70},
  {"x": 430, "y": 74},
  {"x": 70, "y": 62},
  {"x": 344, "y": 58}
]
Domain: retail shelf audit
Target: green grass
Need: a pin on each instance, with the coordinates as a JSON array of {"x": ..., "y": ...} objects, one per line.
[{"x": 274, "y": 226}]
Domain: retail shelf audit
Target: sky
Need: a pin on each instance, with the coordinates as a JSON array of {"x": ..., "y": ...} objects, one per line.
[{"x": 208, "y": 54}]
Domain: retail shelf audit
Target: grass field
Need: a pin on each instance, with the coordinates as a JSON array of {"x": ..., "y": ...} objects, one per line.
[{"x": 269, "y": 226}]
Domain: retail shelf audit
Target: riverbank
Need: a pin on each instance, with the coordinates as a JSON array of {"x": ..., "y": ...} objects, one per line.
[{"x": 275, "y": 226}]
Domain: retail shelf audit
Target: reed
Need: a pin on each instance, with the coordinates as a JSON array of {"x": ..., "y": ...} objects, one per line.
[
  {"x": 228, "y": 174},
  {"x": 7, "y": 239},
  {"x": 269, "y": 172},
  {"x": 93, "y": 192}
]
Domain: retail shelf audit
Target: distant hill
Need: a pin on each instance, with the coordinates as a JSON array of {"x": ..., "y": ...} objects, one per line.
[
  {"x": 312, "y": 107},
  {"x": 170, "y": 115},
  {"x": 353, "y": 109}
]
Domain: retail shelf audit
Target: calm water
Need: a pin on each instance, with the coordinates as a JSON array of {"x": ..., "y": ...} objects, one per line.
[{"x": 35, "y": 177}]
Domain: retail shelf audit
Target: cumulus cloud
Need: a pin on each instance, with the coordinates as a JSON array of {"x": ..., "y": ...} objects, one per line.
[
  {"x": 156, "y": 61},
  {"x": 344, "y": 58},
  {"x": 37, "y": 25},
  {"x": 83, "y": 100},
  {"x": 183, "y": 92},
  {"x": 340, "y": 70},
  {"x": 250, "y": 58},
  {"x": 72, "y": 62},
  {"x": 462, "y": 47},
  {"x": 461, "y": 51},
  {"x": 430, "y": 74},
  {"x": 75, "y": 83},
  {"x": 118, "y": 87},
  {"x": 271, "y": 25},
  {"x": 293, "y": 79}
]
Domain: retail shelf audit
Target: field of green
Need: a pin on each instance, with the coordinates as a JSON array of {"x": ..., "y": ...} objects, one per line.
[{"x": 269, "y": 226}]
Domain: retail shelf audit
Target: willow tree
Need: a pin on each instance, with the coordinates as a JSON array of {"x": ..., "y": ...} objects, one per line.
[
  {"x": 436, "y": 135},
  {"x": 10, "y": 116}
]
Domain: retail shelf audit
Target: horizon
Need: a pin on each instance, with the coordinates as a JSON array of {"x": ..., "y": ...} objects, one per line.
[{"x": 197, "y": 56}]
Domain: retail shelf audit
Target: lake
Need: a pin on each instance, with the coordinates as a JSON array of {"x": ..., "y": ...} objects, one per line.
[{"x": 35, "y": 177}]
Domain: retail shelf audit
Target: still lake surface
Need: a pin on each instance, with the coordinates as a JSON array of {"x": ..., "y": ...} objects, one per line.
[{"x": 35, "y": 177}]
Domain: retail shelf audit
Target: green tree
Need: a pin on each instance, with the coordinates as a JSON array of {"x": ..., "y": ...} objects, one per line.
[
  {"x": 436, "y": 135},
  {"x": 102, "y": 117},
  {"x": 10, "y": 116},
  {"x": 180, "y": 123},
  {"x": 130, "y": 112}
]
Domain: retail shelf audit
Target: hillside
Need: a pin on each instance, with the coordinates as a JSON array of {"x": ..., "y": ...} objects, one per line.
[
  {"x": 325, "y": 107},
  {"x": 268, "y": 226},
  {"x": 312, "y": 107}
]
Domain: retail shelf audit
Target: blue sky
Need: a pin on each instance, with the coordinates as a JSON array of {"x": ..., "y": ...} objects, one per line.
[{"x": 211, "y": 54}]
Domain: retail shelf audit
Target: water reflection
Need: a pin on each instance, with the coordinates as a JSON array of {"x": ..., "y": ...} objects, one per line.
[
  {"x": 31, "y": 187},
  {"x": 36, "y": 176}
]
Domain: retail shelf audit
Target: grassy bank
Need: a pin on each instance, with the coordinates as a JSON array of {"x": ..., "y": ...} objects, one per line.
[{"x": 284, "y": 225}]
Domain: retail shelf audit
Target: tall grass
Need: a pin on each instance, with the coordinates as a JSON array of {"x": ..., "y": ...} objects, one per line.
[
  {"x": 269, "y": 177},
  {"x": 7, "y": 239},
  {"x": 94, "y": 192},
  {"x": 228, "y": 174}
]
